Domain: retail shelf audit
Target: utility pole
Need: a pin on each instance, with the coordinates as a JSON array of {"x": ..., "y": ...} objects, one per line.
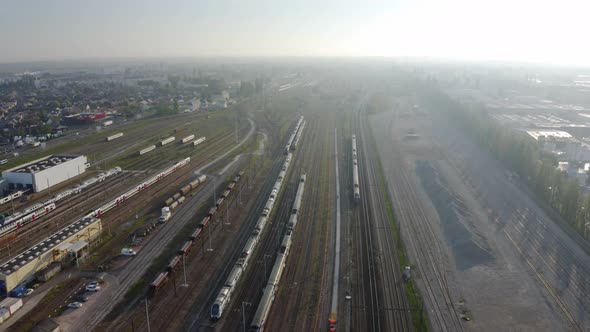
[
  {"x": 236, "y": 125},
  {"x": 214, "y": 189},
  {"x": 226, "y": 214},
  {"x": 243, "y": 314},
  {"x": 147, "y": 315},
  {"x": 210, "y": 247},
  {"x": 264, "y": 259},
  {"x": 184, "y": 270}
]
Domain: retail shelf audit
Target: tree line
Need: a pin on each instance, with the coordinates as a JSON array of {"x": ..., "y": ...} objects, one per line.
[{"x": 538, "y": 170}]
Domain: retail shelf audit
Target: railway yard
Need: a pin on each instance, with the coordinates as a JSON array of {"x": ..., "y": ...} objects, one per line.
[{"x": 342, "y": 218}]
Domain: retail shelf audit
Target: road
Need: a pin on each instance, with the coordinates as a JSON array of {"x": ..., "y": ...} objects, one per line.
[{"x": 228, "y": 152}]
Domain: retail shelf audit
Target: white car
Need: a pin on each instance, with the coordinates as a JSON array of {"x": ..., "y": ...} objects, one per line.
[
  {"x": 29, "y": 291},
  {"x": 75, "y": 305},
  {"x": 92, "y": 288}
]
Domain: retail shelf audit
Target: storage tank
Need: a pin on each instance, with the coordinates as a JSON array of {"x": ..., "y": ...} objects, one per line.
[
  {"x": 186, "y": 189},
  {"x": 169, "y": 201}
]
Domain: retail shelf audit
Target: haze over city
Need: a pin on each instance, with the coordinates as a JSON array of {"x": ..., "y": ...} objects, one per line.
[
  {"x": 524, "y": 31},
  {"x": 272, "y": 165}
]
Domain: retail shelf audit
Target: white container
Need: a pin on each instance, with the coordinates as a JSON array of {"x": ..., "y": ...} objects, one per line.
[
  {"x": 115, "y": 136},
  {"x": 167, "y": 140},
  {"x": 12, "y": 304},
  {"x": 4, "y": 314},
  {"x": 199, "y": 141},
  {"x": 148, "y": 149},
  {"x": 188, "y": 139}
]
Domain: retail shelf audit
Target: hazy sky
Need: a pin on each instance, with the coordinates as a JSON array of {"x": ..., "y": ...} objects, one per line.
[{"x": 521, "y": 30}]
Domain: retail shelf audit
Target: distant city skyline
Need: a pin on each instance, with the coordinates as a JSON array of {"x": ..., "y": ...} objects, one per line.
[{"x": 527, "y": 31}]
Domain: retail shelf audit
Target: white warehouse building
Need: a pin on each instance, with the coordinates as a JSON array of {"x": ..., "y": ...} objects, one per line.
[{"x": 46, "y": 172}]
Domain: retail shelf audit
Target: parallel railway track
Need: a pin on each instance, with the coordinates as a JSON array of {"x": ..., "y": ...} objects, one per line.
[
  {"x": 426, "y": 255},
  {"x": 394, "y": 313}
]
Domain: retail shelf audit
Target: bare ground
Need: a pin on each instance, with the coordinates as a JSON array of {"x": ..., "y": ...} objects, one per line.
[{"x": 505, "y": 263}]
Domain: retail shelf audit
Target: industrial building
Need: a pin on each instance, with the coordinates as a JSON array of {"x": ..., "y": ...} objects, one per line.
[
  {"x": 84, "y": 118},
  {"x": 65, "y": 246},
  {"x": 46, "y": 172},
  {"x": 562, "y": 144}
]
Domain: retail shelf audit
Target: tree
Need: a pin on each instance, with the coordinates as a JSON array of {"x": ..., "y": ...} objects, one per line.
[
  {"x": 519, "y": 154},
  {"x": 175, "y": 106},
  {"x": 246, "y": 89},
  {"x": 259, "y": 84}
]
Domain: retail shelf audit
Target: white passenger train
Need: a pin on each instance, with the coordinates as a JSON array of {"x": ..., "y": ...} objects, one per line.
[
  {"x": 23, "y": 219},
  {"x": 298, "y": 136},
  {"x": 139, "y": 188},
  {"x": 19, "y": 219},
  {"x": 355, "y": 171},
  {"x": 291, "y": 142},
  {"x": 261, "y": 315},
  {"x": 11, "y": 197},
  {"x": 224, "y": 297}
]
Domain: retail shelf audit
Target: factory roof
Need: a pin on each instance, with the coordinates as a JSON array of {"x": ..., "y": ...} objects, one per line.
[
  {"x": 50, "y": 243},
  {"x": 556, "y": 134},
  {"x": 42, "y": 164}
]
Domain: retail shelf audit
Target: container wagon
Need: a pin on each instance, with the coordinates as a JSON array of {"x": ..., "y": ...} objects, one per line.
[
  {"x": 167, "y": 140},
  {"x": 199, "y": 141},
  {"x": 187, "y": 139},
  {"x": 186, "y": 189},
  {"x": 157, "y": 283},
  {"x": 146, "y": 150},
  {"x": 173, "y": 264},
  {"x": 113, "y": 137}
]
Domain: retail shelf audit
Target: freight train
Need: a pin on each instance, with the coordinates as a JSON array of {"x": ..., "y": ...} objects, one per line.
[
  {"x": 184, "y": 250},
  {"x": 186, "y": 189},
  {"x": 224, "y": 296},
  {"x": 272, "y": 285}
]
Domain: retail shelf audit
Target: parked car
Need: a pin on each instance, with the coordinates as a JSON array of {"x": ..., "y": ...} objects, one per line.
[
  {"x": 75, "y": 305},
  {"x": 81, "y": 298},
  {"x": 29, "y": 291},
  {"x": 92, "y": 288},
  {"x": 128, "y": 252}
]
